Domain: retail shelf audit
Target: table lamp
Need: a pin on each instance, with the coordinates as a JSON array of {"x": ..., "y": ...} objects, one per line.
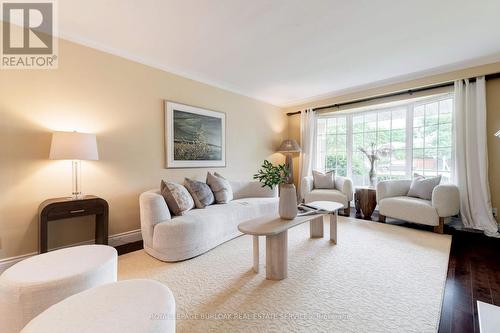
[
  {"x": 288, "y": 147},
  {"x": 76, "y": 147}
]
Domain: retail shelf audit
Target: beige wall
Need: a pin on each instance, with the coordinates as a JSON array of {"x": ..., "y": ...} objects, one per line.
[
  {"x": 122, "y": 102},
  {"x": 493, "y": 115}
]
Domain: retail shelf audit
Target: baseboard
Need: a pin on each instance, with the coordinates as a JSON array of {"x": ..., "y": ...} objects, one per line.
[
  {"x": 125, "y": 237},
  {"x": 113, "y": 240},
  {"x": 7, "y": 262}
]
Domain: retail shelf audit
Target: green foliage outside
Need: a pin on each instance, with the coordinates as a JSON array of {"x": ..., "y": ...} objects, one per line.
[{"x": 432, "y": 142}]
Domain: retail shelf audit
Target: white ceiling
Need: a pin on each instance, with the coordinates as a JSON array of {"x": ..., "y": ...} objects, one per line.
[{"x": 289, "y": 51}]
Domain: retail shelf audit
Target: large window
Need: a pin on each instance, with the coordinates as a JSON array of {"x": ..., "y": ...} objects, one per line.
[
  {"x": 331, "y": 153},
  {"x": 416, "y": 136}
]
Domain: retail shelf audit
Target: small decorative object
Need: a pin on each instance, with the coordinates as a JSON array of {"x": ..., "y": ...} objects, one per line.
[
  {"x": 194, "y": 137},
  {"x": 288, "y": 147},
  {"x": 77, "y": 147},
  {"x": 272, "y": 176},
  {"x": 374, "y": 155}
]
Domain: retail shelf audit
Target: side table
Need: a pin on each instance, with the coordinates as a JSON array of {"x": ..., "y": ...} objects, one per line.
[
  {"x": 365, "y": 201},
  {"x": 63, "y": 208}
]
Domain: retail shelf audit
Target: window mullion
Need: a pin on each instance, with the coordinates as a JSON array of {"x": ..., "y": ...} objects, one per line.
[
  {"x": 349, "y": 144},
  {"x": 409, "y": 139}
]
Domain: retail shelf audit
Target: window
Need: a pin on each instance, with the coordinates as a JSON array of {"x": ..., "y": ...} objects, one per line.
[
  {"x": 432, "y": 139},
  {"x": 417, "y": 137},
  {"x": 331, "y": 153}
]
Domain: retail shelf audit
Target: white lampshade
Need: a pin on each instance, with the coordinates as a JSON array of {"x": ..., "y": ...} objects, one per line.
[{"x": 73, "y": 146}]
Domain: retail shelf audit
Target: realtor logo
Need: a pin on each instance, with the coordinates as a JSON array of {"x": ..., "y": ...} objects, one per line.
[{"x": 28, "y": 35}]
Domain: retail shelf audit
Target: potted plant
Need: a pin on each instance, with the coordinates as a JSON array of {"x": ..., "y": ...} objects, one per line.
[{"x": 277, "y": 175}]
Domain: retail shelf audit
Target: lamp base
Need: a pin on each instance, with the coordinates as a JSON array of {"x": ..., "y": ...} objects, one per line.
[
  {"x": 78, "y": 196},
  {"x": 77, "y": 176}
]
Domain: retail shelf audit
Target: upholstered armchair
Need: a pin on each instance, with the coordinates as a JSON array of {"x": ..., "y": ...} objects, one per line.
[
  {"x": 342, "y": 193},
  {"x": 393, "y": 202}
]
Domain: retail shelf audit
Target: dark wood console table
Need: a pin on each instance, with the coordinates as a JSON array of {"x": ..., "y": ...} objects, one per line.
[{"x": 63, "y": 208}]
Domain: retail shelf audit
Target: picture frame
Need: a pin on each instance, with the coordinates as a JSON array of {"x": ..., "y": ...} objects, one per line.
[{"x": 194, "y": 137}]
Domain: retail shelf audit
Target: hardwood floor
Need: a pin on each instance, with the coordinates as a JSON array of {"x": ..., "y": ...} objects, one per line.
[
  {"x": 130, "y": 247},
  {"x": 473, "y": 275}
]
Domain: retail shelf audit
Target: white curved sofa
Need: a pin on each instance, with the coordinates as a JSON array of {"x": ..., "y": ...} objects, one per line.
[
  {"x": 175, "y": 238},
  {"x": 342, "y": 193},
  {"x": 393, "y": 201}
]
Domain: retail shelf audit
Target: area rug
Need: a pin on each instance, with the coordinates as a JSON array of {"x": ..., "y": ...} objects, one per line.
[{"x": 378, "y": 278}]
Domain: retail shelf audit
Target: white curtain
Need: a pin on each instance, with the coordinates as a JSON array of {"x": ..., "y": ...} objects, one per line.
[
  {"x": 471, "y": 156},
  {"x": 307, "y": 141}
]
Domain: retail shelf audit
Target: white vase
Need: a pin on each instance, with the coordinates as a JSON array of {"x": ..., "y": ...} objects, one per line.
[{"x": 288, "y": 202}]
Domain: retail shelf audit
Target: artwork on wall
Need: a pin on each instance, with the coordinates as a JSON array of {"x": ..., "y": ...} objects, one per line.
[{"x": 194, "y": 137}]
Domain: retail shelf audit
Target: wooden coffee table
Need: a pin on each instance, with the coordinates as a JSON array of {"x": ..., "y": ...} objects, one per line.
[{"x": 276, "y": 231}]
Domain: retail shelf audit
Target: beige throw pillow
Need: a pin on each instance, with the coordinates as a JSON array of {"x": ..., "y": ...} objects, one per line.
[
  {"x": 178, "y": 199},
  {"x": 220, "y": 187},
  {"x": 422, "y": 187},
  {"x": 324, "y": 180},
  {"x": 201, "y": 193}
]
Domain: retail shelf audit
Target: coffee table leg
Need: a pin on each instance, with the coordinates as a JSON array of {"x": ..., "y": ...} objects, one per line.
[
  {"x": 277, "y": 256},
  {"x": 316, "y": 227},
  {"x": 256, "y": 254},
  {"x": 333, "y": 227}
]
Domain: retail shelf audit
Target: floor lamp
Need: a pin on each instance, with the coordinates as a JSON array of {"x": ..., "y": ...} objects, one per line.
[{"x": 289, "y": 147}]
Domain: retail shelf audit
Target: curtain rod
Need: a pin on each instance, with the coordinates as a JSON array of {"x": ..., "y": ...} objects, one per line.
[{"x": 399, "y": 93}]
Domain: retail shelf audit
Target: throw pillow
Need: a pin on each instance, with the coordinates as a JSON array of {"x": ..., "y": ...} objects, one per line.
[
  {"x": 201, "y": 193},
  {"x": 324, "y": 180},
  {"x": 220, "y": 187},
  {"x": 421, "y": 187},
  {"x": 178, "y": 199}
]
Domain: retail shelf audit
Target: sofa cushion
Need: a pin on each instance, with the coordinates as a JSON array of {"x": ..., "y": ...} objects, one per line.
[
  {"x": 422, "y": 187},
  {"x": 220, "y": 187},
  {"x": 327, "y": 195},
  {"x": 409, "y": 209},
  {"x": 201, "y": 193},
  {"x": 178, "y": 199},
  {"x": 324, "y": 180}
]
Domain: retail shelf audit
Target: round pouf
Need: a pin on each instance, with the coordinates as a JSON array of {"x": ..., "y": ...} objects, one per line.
[
  {"x": 126, "y": 306},
  {"x": 33, "y": 285}
]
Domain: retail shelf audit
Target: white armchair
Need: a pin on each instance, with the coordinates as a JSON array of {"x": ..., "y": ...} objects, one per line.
[
  {"x": 393, "y": 201},
  {"x": 342, "y": 193}
]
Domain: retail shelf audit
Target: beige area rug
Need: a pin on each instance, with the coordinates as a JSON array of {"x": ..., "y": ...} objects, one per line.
[{"x": 378, "y": 278}]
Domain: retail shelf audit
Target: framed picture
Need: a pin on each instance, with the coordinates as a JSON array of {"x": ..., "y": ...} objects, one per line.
[{"x": 194, "y": 137}]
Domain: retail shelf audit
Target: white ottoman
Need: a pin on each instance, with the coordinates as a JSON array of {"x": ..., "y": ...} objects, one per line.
[
  {"x": 32, "y": 285},
  {"x": 133, "y": 306}
]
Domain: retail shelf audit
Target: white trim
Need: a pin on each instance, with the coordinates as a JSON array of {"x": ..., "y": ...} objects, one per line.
[
  {"x": 446, "y": 69},
  {"x": 189, "y": 75},
  {"x": 125, "y": 237},
  {"x": 269, "y": 99},
  {"x": 7, "y": 262},
  {"x": 113, "y": 240}
]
